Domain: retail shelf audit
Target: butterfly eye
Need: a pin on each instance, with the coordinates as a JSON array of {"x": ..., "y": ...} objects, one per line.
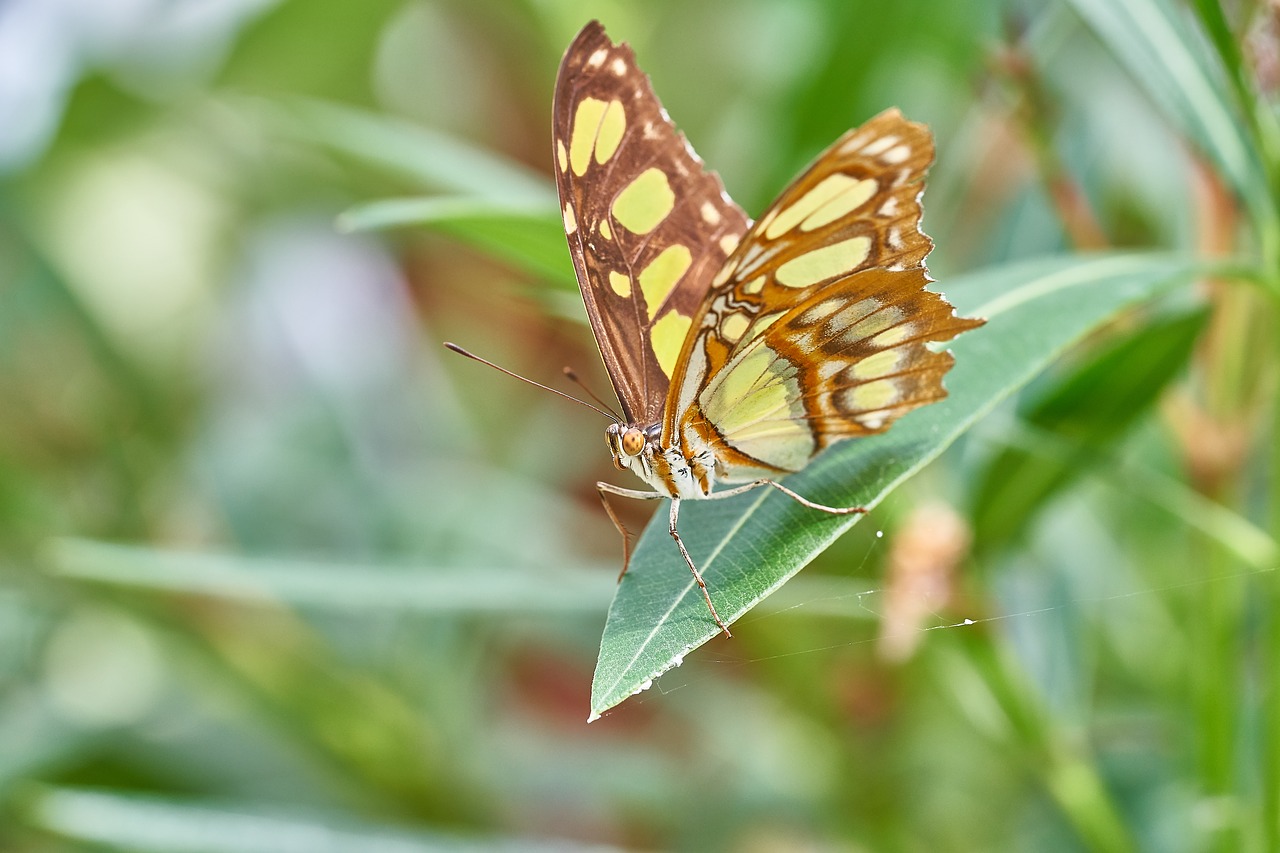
[
  {"x": 632, "y": 442},
  {"x": 613, "y": 436}
]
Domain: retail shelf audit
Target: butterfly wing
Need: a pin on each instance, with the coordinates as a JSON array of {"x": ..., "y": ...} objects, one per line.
[
  {"x": 647, "y": 226},
  {"x": 817, "y": 327}
]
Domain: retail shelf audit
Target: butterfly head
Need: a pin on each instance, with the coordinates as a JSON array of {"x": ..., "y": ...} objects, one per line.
[{"x": 625, "y": 443}]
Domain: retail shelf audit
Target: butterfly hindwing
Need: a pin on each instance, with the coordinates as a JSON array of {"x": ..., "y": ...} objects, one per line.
[
  {"x": 845, "y": 362},
  {"x": 648, "y": 227}
]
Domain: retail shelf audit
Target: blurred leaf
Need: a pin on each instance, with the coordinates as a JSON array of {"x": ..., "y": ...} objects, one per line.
[
  {"x": 1214, "y": 21},
  {"x": 1235, "y": 533},
  {"x": 142, "y": 823},
  {"x": 1156, "y": 45},
  {"x": 436, "y": 159},
  {"x": 527, "y": 235},
  {"x": 1089, "y": 407},
  {"x": 333, "y": 586},
  {"x": 748, "y": 546},
  {"x": 322, "y": 47}
]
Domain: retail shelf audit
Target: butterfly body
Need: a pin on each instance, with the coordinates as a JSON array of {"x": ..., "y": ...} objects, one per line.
[
  {"x": 740, "y": 350},
  {"x": 684, "y": 472}
]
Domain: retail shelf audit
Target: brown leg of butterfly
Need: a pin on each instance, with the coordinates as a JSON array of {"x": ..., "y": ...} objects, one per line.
[
  {"x": 606, "y": 489},
  {"x": 675, "y": 513}
]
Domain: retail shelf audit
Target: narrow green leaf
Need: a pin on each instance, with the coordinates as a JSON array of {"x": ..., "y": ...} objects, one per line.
[
  {"x": 528, "y": 235},
  {"x": 1090, "y": 406},
  {"x": 333, "y": 586},
  {"x": 146, "y": 823},
  {"x": 436, "y": 159},
  {"x": 748, "y": 546},
  {"x": 1236, "y": 534},
  {"x": 1159, "y": 50}
]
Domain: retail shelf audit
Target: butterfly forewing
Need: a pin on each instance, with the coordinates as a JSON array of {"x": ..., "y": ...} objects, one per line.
[{"x": 648, "y": 227}]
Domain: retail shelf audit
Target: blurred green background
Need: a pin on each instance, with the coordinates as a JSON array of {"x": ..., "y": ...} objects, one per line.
[{"x": 278, "y": 573}]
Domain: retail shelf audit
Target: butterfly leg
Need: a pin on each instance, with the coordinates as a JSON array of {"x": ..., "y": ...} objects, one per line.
[
  {"x": 675, "y": 513},
  {"x": 795, "y": 496},
  {"x": 606, "y": 489},
  {"x": 800, "y": 499}
]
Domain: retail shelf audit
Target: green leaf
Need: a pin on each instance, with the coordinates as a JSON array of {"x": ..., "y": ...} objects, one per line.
[
  {"x": 145, "y": 823},
  {"x": 333, "y": 586},
  {"x": 1170, "y": 63},
  {"x": 746, "y": 547},
  {"x": 438, "y": 160},
  {"x": 529, "y": 235},
  {"x": 1089, "y": 407}
]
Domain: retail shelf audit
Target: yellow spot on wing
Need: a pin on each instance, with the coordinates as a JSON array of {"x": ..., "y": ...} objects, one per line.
[
  {"x": 896, "y": 154},
  {"x": 562, "y": 156},
  {"x": 605, "y": 231},
  {"x": 710, "y": 215},
  {"x": 871, "y": 396},
  {"x": 878, "y": 146},
  {"x": 733, "y": 326},
  {"x": 820, "y": 312},
  {"x": 644, "y": 202},
  {"x": 893, "y": 336},
  {"x": 611, "y": 129},
  {"x": 621, "y": 284},
  {"x": 821, "y": 264},
  {"x": 667, "y": 336},
  {"x": 789, "y": 217},
  {"x": 849, "y": 200},
  {"x": 570, "y": 221},
  {"x": 659, "y": 278},
  {"x": 728, "y": 243},
  {"x": 876, "y": 365},
  {"x": 754, "y": 286},
  {"x": 586, "y": 126}
]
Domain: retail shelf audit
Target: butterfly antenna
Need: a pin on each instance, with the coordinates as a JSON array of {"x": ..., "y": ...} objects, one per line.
[
  {"x": 460, "y": 351},
  {"x": 573, "y": 377}
]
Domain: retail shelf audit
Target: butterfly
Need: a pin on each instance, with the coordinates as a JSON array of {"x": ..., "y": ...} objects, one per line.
[{"x": 740, "y": 350}]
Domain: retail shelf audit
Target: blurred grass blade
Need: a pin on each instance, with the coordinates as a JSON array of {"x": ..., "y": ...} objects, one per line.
[
  {"x": 334, "y": 586},
  {"x": 1090, "y": 406},
  {"x": 142, "y": 823},
  {"x": 439, "y": 161},
  {"x": 747, "y": 547},
  {"x": 1156, "y": 44},
  {"x": 1235, "y": 533},
  {"x": 528, "y": 235}
]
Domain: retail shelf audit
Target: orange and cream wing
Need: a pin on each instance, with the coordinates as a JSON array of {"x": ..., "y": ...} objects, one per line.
[
  {"x": 856, "y": 207},
  {"x": 816, "y": 327},
  {"x": 648, "y": 227},
  {"x": 844, "y": 362}
]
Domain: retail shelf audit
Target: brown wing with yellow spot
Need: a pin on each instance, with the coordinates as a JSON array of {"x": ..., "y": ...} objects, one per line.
[
  {"x": 816, "y": 327},
  {"x": 648, "y": 227}
]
